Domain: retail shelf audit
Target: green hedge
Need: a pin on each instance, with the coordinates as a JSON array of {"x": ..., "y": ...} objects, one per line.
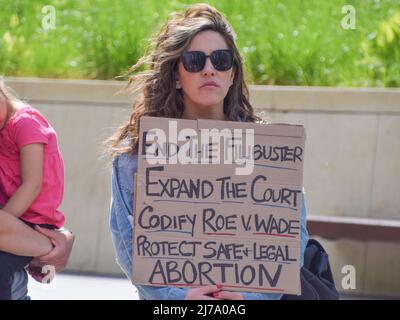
[{"x": 287, "y": 42}]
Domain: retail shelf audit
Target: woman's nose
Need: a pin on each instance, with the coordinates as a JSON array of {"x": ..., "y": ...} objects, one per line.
[{"x": 208, "y": 68}]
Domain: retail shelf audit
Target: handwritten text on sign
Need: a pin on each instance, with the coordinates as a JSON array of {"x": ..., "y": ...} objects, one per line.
[{"x": 198, "y": 224}]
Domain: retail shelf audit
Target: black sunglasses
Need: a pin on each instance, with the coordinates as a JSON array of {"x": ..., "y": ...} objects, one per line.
[{"x": 194, "y": 61}]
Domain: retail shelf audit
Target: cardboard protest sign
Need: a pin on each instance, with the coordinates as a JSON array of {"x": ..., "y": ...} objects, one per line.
[{"x": 218, "y": 202}]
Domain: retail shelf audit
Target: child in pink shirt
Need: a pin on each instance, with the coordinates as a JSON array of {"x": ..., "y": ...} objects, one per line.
[{"x": 31, "y": 175}]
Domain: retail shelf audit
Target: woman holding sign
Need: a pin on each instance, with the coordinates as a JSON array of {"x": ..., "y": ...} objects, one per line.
[{"x": 195, "y": 72}]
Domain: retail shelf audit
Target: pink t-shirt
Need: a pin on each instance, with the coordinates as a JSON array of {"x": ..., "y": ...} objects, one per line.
[{"x": 28, "y": 126}]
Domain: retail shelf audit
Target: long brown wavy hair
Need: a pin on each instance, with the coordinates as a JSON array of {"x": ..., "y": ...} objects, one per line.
[{"x": 155, "y": 88}]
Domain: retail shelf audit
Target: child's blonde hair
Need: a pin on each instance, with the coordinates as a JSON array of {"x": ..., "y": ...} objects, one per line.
[{"x": 7, "y": 92}]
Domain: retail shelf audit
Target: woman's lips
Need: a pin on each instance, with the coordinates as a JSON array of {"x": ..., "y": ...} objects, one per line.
[{"x": 209, "y": 84}]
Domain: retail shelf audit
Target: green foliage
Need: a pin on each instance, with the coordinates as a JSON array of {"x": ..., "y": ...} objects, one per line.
[
  {"x": 284, "y": 42},
  {"x": 382, "y": 52}
]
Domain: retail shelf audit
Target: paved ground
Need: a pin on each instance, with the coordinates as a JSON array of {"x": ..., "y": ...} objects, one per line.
[
  {"x": 83, "y": 287},
  {"x": 79, "y": 287}
]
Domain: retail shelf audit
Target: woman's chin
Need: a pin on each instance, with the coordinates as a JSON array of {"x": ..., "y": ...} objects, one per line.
[{"x": 209, "y": 101}]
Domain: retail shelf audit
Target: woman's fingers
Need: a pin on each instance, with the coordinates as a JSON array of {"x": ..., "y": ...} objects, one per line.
[
  {"x": 228, "y": 295},
  {"x": 47, "y": 232},
  {"x": 212, "y": 292},
  {"x": 210, "y": 289},
  {"x": 203, "y": 293}
]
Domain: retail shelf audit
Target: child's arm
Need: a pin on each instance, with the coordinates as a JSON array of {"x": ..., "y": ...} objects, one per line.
[
  {"x": 31, "y": 159},
  {"x": 17, "y": 238}
]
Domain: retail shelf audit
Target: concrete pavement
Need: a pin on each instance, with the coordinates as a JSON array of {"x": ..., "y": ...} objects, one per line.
[
  {"x": 83, "y": 287},
  {"x": 67, "y": 286}
]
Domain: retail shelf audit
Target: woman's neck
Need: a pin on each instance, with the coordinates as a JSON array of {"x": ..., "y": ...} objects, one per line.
[{"x": 210, "y": 112}]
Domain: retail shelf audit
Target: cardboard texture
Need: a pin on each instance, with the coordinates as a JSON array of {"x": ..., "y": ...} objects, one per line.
[{"x": 205, "y": 223}]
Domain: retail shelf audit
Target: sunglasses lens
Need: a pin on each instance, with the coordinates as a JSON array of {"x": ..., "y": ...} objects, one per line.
[
  {"x": 222, "y": 59},
  {"x": 194, "y": 61}
]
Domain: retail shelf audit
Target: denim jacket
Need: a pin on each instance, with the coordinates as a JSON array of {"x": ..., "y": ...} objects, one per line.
[{"x": 121, "y": 221}]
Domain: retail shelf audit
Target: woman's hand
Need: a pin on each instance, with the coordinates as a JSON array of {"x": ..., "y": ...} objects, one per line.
[
  {"x": 58, "y": 257},
  {"x": 62, "y": 242},
  {"x": 228, "y": 295},
  {"x": 203, "y": 293}
]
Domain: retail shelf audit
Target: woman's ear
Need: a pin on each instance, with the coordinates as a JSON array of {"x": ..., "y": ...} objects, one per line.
[{"x": 177, "y": 82}]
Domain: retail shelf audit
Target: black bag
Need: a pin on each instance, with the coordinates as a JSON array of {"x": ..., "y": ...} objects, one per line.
[{"x": 316, "y": 276}]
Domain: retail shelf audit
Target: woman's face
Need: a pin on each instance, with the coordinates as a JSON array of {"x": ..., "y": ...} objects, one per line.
[{"x": 207, "y": 88}]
